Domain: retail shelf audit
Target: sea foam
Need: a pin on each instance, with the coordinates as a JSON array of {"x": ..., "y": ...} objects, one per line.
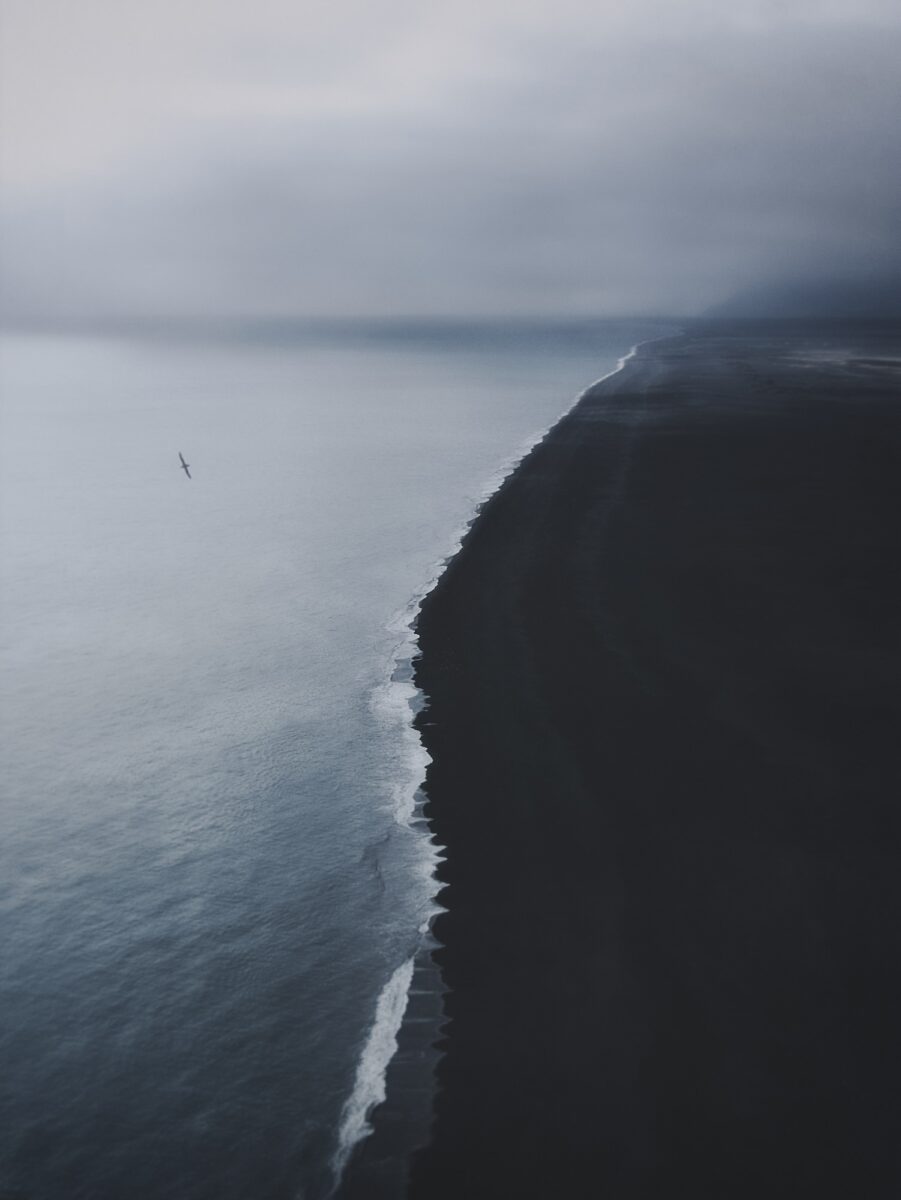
[
  {"x": 369, "y": 1086},
  {"x": 396, "y": 701}
]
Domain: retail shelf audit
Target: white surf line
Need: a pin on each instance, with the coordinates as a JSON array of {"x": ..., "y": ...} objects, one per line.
[
  {"x": 369, "y": 1086},
  {"x": 401, "y": 699}
]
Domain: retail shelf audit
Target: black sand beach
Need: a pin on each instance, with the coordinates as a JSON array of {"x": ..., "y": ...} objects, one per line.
[{"x": 664, "y": 715}]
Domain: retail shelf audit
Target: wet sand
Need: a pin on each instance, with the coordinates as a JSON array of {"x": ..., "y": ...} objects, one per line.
[{"x": 664, "y": 713}]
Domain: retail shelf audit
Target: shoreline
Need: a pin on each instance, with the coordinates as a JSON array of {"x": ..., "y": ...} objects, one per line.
[
  {"x": 374, "y": 1163},
  {"x": 571, "y": 651}
]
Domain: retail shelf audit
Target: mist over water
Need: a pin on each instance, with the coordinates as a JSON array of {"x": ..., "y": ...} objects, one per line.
[
  {"x": 208, "y": 880},
  {"x": 480, "y": 157}
]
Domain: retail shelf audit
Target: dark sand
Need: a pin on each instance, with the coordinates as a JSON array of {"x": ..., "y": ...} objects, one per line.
[{"x": 664, "y": 681}]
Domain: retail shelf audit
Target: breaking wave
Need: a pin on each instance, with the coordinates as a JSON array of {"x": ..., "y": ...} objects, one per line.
[{"x": 369, "y": 1086}]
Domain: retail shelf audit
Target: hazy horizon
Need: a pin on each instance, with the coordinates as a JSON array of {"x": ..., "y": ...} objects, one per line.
[{"x": 217, "y": 162}]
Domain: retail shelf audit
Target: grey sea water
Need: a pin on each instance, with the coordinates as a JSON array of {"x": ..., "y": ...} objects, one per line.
[{"x": 213, "y": 881}]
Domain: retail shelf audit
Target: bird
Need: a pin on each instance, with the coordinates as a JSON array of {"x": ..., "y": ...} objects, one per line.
[{"x": 184, "y": 465}]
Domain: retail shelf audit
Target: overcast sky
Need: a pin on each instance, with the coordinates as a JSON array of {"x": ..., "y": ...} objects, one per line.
[{"x": 258, "y": 157}]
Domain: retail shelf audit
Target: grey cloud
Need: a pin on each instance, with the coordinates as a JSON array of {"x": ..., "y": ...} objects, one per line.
[{"x": 549, "y": 173}]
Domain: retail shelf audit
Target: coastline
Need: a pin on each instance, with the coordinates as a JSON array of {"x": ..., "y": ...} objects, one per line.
[
  {"x": 649, "y": 921},
  {"x": 378, "y": 1139}
]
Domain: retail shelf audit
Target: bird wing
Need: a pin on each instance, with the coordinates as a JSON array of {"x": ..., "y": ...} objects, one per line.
[{"x": 182, "y": 457}]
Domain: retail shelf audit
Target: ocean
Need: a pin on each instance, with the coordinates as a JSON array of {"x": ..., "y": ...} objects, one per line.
[{"x": 214, "y": 876}]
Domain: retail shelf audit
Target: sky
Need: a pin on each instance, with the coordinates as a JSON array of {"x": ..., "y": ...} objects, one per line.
[{"x": 267, "y": 158}]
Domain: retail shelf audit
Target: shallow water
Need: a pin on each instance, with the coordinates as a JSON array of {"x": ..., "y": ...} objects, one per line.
[{"x": 209, "y": 878}]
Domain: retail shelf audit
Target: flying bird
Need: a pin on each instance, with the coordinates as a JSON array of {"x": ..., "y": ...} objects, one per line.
[{"x": 184, "y": 465}]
